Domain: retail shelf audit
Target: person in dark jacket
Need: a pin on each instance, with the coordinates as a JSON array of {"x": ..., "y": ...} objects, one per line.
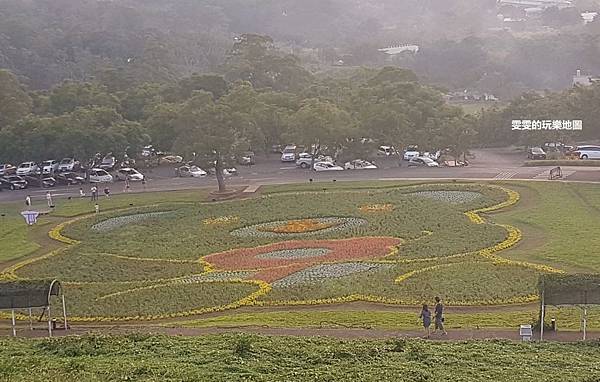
[{"x": 439, "y": 316}]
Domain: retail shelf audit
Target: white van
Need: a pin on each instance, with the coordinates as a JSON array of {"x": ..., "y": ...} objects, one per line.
[{"x": 588, "y": 152}]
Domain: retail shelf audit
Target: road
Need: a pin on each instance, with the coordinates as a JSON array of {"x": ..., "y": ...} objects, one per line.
[{"x": 489, "y": 164}]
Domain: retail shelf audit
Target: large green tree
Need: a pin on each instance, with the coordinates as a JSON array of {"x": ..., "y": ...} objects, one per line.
[{"x": 15, "y": 103}]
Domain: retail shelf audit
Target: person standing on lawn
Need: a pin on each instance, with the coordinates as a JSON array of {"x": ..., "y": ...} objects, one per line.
[
  {"x": 426, "y": 319},
  {"x": 439, "y": 316}
]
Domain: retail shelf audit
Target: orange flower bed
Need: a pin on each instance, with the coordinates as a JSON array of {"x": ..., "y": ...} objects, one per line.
[
  {"x": 271, "y": 269},
  {"x": 299, "y": 226}
]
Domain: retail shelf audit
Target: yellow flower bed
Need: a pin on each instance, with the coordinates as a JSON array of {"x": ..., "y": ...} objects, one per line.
[
  {"x": 221, "y": 220},
  {"x": 376, "y": 208},
  {"x": 299, "y": 226}
]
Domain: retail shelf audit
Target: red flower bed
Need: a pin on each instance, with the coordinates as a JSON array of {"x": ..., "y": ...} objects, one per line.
[{"x": 363, "y": 248}]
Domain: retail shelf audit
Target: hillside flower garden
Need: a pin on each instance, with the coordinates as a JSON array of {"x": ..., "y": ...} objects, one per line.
[{"x": 399, "y": 245}]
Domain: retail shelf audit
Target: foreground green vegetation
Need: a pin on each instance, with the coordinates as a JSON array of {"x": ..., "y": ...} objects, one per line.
[{"x": 257, "y": 358}]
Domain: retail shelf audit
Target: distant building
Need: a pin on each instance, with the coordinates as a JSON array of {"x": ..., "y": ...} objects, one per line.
[
  {"x": 470, "y": 96},
  {"x": 537, "y": 3},
  {"x": 584, "y": 79},
  {"x": 588, "y": 17},
  {"x": 394, "y": 50}
]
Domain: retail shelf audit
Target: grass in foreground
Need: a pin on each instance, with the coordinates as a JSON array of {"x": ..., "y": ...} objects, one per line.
[{"x": 259, "y": 358}]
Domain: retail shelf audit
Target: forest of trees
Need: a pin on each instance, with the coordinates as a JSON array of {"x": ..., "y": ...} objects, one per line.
[
  {"x": 80, "y": 77},
  {"x": 266, "y": 98},
  {"x": 130, "y": 42}
]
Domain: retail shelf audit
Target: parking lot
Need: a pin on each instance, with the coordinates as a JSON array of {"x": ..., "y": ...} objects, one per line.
[{"x": 492, "y": 164}]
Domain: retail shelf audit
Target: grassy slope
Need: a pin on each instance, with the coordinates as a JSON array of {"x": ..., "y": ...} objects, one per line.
[
  {"x": 566, "y": 318},
  {"x": 17, "y": 240},
  {"x": 560, "y": 223},
  {"x": 257, "y": 358}
]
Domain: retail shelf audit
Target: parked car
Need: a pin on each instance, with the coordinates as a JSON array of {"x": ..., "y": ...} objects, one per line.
[
  {"x": 588, "y": 152},
  {"x": 289, "y": 154},
  {"x": 305, "y": 159},
  {"x": 422, "y": 162},
  {"x": 49, "y": 166},
  {"x": 98, "y": 175},
  {"x": 435, "y": 155},
  {"x": 276, "y": 149},
  {"x": 69, "y": 178},
  {"x": 14, "y": 182},
  {"x": 386, "y": 151},
  {"x": 227, "y": 171},
  {"x": 133, "y": 174},
  {"x": 411, "y": 152},
  {"x": 247, "y": 158},
  {"x": 327, "y": 166},
  {"x": 43, "y": 181},
  {"x": 172, "y": 159},
  {"x": 27, "y": 168},
  {"x": 109, "y": 162},
  {"x": 148, "y": 151},
  {"x": 359, "y": 164},
  {"x": 536, "y": 153},
  {"x": 190, "y": 171},
  {"x": 7, "y": 169},
  {"x": 69, "y": 164}
]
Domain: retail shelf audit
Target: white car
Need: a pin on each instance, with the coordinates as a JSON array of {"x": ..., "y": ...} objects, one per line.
[
  {"x": 191, "y": 172},
  {"x": 289, "y": 154},
  {"x": 98, "y": 175},
  {"x": 305, "y": 159},
  {"x": 133, "y": 174},
  {"x": 68, "y": 165},
  {"x": 172, "y": 159},
  {"x": 49, "y": 166},
  {"x": 27, "y": 168},
  {"x": 7, "y": 169},
  {"x": 359, "y": 164},
  {"x": 327, "y": 166},
  {"x": 435, "y": 156},
  {"x": 386, "y": 150},
  {"x": 588, "y": 152},
  {"x": 411, "y": 152},
  {"x": 422, "y": 162}
]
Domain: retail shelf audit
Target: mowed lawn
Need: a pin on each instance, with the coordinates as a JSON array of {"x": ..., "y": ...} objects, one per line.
[
  {"x": 17, "y": 240},
  {"x": 560, "y": 224}
]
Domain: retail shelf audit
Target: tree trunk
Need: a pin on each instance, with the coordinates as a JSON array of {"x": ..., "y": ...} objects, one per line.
[{"x": 219, "y": 173}]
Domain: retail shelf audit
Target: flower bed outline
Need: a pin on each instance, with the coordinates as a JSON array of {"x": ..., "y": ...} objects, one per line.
[
  {"x": 262, "y": 230},
  {"x": 514, "y": 235}
]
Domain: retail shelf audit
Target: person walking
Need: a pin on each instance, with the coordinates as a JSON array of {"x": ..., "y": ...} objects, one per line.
[
  {"x": 49, "y": 199},
  {"x": 426, "y": 319},
  {"x": 81, "y": 192},
  {"x": 94, "y": 191},
  {"x": 439, "y": 316},
  {"x": 28, "y": 201},
  {"x": 127, "y": 183},
  {"x": 107, "y": 192}
]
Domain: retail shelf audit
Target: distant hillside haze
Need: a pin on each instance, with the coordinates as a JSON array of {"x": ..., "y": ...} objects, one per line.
[{"x": 464, "y": 43}]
